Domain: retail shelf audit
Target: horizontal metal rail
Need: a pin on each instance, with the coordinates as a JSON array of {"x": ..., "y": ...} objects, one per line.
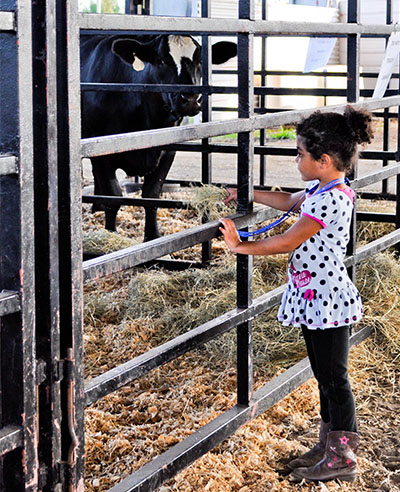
[
  {"x": 226, "y": 26},
  {"x": 265, "y": 150},
  {"x": 384, "y": 173},
  {"x": 10, "y": 302},
  {"x": 175, "y": 459},
  {"x": 7, "y": 21},
  {"x": 134, "y": 202},
  {"x": 11, "y": 437},
  {"x": 363, "y": 252},
  {"x": 8, "y": 165},
  {"x": 141, "y": 365},
  {"x": 376, "y": 217},
  {"x": 142, "y": 253},
  {"x": 97, "y": 146},
  {"x": 192, "y": 89}
]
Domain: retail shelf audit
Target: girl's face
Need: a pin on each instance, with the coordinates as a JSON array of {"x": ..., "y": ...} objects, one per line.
[{"x": 306, "y": 164}]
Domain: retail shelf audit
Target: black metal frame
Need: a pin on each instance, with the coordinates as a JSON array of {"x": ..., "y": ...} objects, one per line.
[{"x": 41, "y": 273}]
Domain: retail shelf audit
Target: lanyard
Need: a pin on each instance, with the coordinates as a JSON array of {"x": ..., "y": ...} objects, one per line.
[{"x": 291, "y": 211}]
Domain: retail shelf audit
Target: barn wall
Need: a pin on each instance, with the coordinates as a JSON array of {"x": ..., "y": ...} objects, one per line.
[{"x": 371, "y": 50}]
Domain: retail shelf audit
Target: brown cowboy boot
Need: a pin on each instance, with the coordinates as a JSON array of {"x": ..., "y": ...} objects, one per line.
[
  {"x": 339, "y": 461},
  {"x": 316, "y": 453}
]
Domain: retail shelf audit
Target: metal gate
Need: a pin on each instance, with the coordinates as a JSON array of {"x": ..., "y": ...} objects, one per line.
[{"x": 43, "y": 394}]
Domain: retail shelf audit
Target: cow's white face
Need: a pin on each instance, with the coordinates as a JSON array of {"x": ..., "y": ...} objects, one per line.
[{"x": 181, "y": 47}]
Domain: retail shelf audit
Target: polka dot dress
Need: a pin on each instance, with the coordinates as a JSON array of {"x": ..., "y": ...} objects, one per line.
[{"x": 319, "y": 292}]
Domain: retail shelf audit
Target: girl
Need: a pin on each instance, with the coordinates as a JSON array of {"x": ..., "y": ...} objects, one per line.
[{"x": 320, "y": 297}]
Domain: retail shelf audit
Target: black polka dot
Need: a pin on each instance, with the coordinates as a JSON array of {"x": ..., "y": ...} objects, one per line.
[
  {"x": 330, "y": 236},
  {"x": 335, "y": 306},
  {"x": 313, "y": 274},
  {"x": 326, "y": 258},
  {"x": 310, "y": 321},
  {"x": 305, "y": 265},
  {"x": 330, "y": 274},
  {"x": 322, "y": 265},
  {"x": 313, "y": 257},
  {"x": 322, "y": 282},
  {"x": 324, "y": 207},
  {"x": 305, "y": 248}
]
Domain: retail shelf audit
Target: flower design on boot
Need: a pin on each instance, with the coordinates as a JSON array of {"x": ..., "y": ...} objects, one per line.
[{"x": 344, "y": 440}]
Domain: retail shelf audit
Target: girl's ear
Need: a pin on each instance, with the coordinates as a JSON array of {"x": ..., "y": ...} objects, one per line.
[{"x": 326, "y": 160}]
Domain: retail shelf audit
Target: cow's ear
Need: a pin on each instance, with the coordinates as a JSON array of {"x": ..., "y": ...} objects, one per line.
[
  {"x": 223, "y": 51},
  {"x": 133, "y": 52}
]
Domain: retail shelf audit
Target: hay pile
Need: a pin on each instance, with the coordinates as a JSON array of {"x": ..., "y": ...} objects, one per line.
[
  {"x": 140, "y": 310},
  {"x": 102, "y": 241},
  {"x": 208, "y": 201}
]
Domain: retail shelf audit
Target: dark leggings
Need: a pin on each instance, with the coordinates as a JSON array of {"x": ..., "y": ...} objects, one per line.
[{"x": 328, "y": 351}]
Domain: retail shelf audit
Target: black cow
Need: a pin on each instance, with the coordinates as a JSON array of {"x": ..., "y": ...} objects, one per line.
[{"x": 163, "y": 59}]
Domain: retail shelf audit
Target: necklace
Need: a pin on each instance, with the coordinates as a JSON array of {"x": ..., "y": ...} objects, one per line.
[{"x": 292, "y": 210}]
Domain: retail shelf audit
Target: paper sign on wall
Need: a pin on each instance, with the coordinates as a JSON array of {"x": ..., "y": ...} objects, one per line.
[
  {"x": 318, "y": 53},
  {"x": 387, "y": 67}
]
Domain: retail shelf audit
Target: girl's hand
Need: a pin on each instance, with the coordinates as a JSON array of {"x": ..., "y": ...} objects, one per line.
[
  {"x": 232, "y": 195},
  {"x": 231, "y": 236}
]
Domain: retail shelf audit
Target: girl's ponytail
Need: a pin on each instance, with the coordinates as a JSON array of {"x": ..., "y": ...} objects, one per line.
[{"x": 360, "y": 126}]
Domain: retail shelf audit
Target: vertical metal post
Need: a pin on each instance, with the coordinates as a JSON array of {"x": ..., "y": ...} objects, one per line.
[
  {"x": 245, "y": 203},
  {"x": 386, "y": 118},
  {"x": 353, "y": 94},
  {"x": 19, "y": 468},
  {"x": 263, "y": 158},
  {"x": 397, "y": 190},
  {"x": 70, "y": 242},
  {"x": 206, "y": 157},
  {"x": 46, "y": 242}
]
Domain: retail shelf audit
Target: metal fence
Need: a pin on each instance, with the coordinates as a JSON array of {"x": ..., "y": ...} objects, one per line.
[{"x": 43, "y": 394}]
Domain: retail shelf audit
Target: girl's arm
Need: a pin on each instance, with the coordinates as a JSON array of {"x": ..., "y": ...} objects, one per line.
[
  {"x": 299, "y": 232},
  {"x": 275, "y": 199}
]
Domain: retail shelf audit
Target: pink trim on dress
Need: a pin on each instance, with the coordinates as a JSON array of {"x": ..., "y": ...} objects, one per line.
[
  {"x": 330, "y": 324},
  {"x": 349, "y": 192},
  {"x": 322, "y": 224}
]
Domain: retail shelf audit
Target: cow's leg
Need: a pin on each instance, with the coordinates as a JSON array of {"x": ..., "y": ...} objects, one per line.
[
  {"x": 152, "y": 185},
  {"x": 106, "y": 183}
]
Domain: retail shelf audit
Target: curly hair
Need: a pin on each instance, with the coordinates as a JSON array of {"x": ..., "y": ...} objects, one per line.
[{"x": 336, "y": 135}]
